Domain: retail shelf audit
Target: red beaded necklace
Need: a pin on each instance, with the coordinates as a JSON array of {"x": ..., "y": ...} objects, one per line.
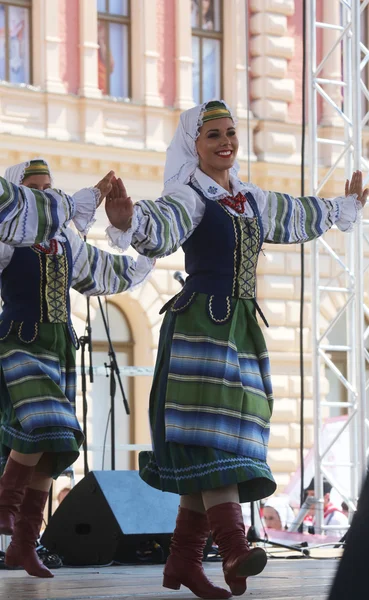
[
  {"x": 53, "y": 247},
  {"x": 236, "y": 202}
]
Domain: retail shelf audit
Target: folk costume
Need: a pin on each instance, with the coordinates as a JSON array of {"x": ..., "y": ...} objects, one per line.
[
  {"x": 18, "y": 173},
  {"x": 211, "y": 399},
  {"x": 40, "y": 260}
]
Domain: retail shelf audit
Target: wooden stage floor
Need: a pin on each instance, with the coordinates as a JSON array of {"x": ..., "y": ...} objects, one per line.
[{"x": 282, "y": 579}]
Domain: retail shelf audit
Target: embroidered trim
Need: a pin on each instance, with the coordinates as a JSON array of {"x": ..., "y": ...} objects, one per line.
[
  {"x": 179, "y": 309},
  {"x": 42, "y": 276},
  {"x": 250, "y": 241},
  {"x": 206, "y": 469},
  {"x": 200, "y": 120},
  {"x": 236, "y": 242},
  {"x": 237, "y": 459},
  {"x": 74, "y": 336},
  {"x": 20, "y": 333},
  {"x": 38, "y": 436},
  {"x": 228, "y": 313},
  {"x": 56, "y": 287},
  {"x": 39, "y": 254},
  {"x": 236, "y": 203},
  {"x": 8, "y": 332}
]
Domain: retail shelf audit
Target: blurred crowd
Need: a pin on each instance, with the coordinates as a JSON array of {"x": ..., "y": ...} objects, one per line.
[{"x": 277, "y": 513}]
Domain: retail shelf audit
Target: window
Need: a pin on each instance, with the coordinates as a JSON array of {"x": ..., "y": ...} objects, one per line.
[
  {"x": 206, "y": 19},
  {"x": 113, "y": 35},
  {"x": 15, "y": 50}
]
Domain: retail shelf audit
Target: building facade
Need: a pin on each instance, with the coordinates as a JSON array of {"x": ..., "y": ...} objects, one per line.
[{"x": 94, "y": 85}]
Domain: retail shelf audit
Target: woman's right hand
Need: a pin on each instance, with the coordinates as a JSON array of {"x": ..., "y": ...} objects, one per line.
[
  {"x": 119, "y": 206},
  {"x": 105, "y": 186},
  {"x": 355, "y": 186}
]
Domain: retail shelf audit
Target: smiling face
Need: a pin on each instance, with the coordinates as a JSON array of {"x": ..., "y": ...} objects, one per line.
[
  {"x": 217, "y": 145},
  {"x": 37, "y": 182}
]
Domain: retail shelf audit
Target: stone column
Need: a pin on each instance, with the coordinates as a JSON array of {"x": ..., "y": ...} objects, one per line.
[
  {"x": 184, "y": 61},
  {"x": 271, "y": 90},
  {"x": 234, "y": 56},
  {"x": 144, "y": 53},
  {"x": 46, "y": 46},
  {"x": 235, "y": 49},
  {"x": 88, "y": 86}
]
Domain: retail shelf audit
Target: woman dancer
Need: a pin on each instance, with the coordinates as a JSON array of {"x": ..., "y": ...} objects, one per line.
[
  {"x": 40, "y": 259},
  {"x": 211, "y": 398}
]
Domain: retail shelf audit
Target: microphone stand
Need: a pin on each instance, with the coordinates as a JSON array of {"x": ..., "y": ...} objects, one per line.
[
  {"x": 253, "y": 536},
  {"x": 86, "y": 340},
  {"x": 114, "y": 371},
  {"x": 83, "y": 341},
  {"x": 89, "y": 340}
]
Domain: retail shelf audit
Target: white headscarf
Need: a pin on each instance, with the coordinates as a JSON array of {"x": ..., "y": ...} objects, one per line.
[
  {"x": 182, "y": 158},
  {"x": 15, "y": 174},
  {"x": 282, "y": 507}
]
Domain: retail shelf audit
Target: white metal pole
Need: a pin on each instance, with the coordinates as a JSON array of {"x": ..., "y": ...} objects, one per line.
[
  {"x": 358, "y": 253},
  {"x": 350, "y": 257},
  {"x": 313, "y": 152}
]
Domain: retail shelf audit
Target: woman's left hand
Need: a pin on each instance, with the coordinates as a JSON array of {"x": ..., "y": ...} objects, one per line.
[
  {"x": 355, "y": 186},
  {"x": 119, "y": 206}
]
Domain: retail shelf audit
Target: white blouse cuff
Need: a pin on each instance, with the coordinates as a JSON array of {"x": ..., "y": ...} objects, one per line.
[
  {"x": 86, "y": 201},
  {"x": 349, "y": 207},
  {"x": 121, "y": 240}
]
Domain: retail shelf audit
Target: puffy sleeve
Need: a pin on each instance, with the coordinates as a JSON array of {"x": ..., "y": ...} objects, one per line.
[
  {"x": 159, "y": 227},
  {"x": 86, "y": 201},
  {"x": 29, "y": 216},
  {"x": 96, "y": 272},
  {"x": 289, "y": 220}
]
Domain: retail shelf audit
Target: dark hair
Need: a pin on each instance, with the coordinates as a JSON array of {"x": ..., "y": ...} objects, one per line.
[{"x": 327, "y": 487}]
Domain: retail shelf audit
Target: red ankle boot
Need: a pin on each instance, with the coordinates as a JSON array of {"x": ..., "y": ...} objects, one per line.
[
  {"x": 184, "y": 565},
  {"x": 239, "y": 560},
  {"x": 13, "y": 483},
  {"x": 22, "y": 549}
]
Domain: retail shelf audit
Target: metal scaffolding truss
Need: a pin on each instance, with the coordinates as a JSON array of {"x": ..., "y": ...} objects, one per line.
[{"x": 338, "y": 59}]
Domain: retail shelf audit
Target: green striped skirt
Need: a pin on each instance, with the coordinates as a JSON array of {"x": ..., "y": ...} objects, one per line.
[
  {"x": 37, "y": 397},
  {"x": 210, "y": 404}
]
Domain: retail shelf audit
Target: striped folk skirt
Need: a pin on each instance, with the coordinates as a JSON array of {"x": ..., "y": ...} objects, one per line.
[
  {"x": 37, "y": 397},
  {"x": 210, "y": 404}
]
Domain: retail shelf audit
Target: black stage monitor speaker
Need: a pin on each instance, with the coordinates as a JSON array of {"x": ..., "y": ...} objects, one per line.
[{"x": 106, "y": 516}]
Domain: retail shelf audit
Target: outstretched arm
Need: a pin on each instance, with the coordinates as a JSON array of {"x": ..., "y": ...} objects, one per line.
[
  {"x": 355, "y": 187},
  {"x": 154, "y": 228},
  {"x": 30, "y": 216},
  {"x": 96, "y": 272},
  {"x": 88, "y": 199},
  {"x": 289, "y": 220}
]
